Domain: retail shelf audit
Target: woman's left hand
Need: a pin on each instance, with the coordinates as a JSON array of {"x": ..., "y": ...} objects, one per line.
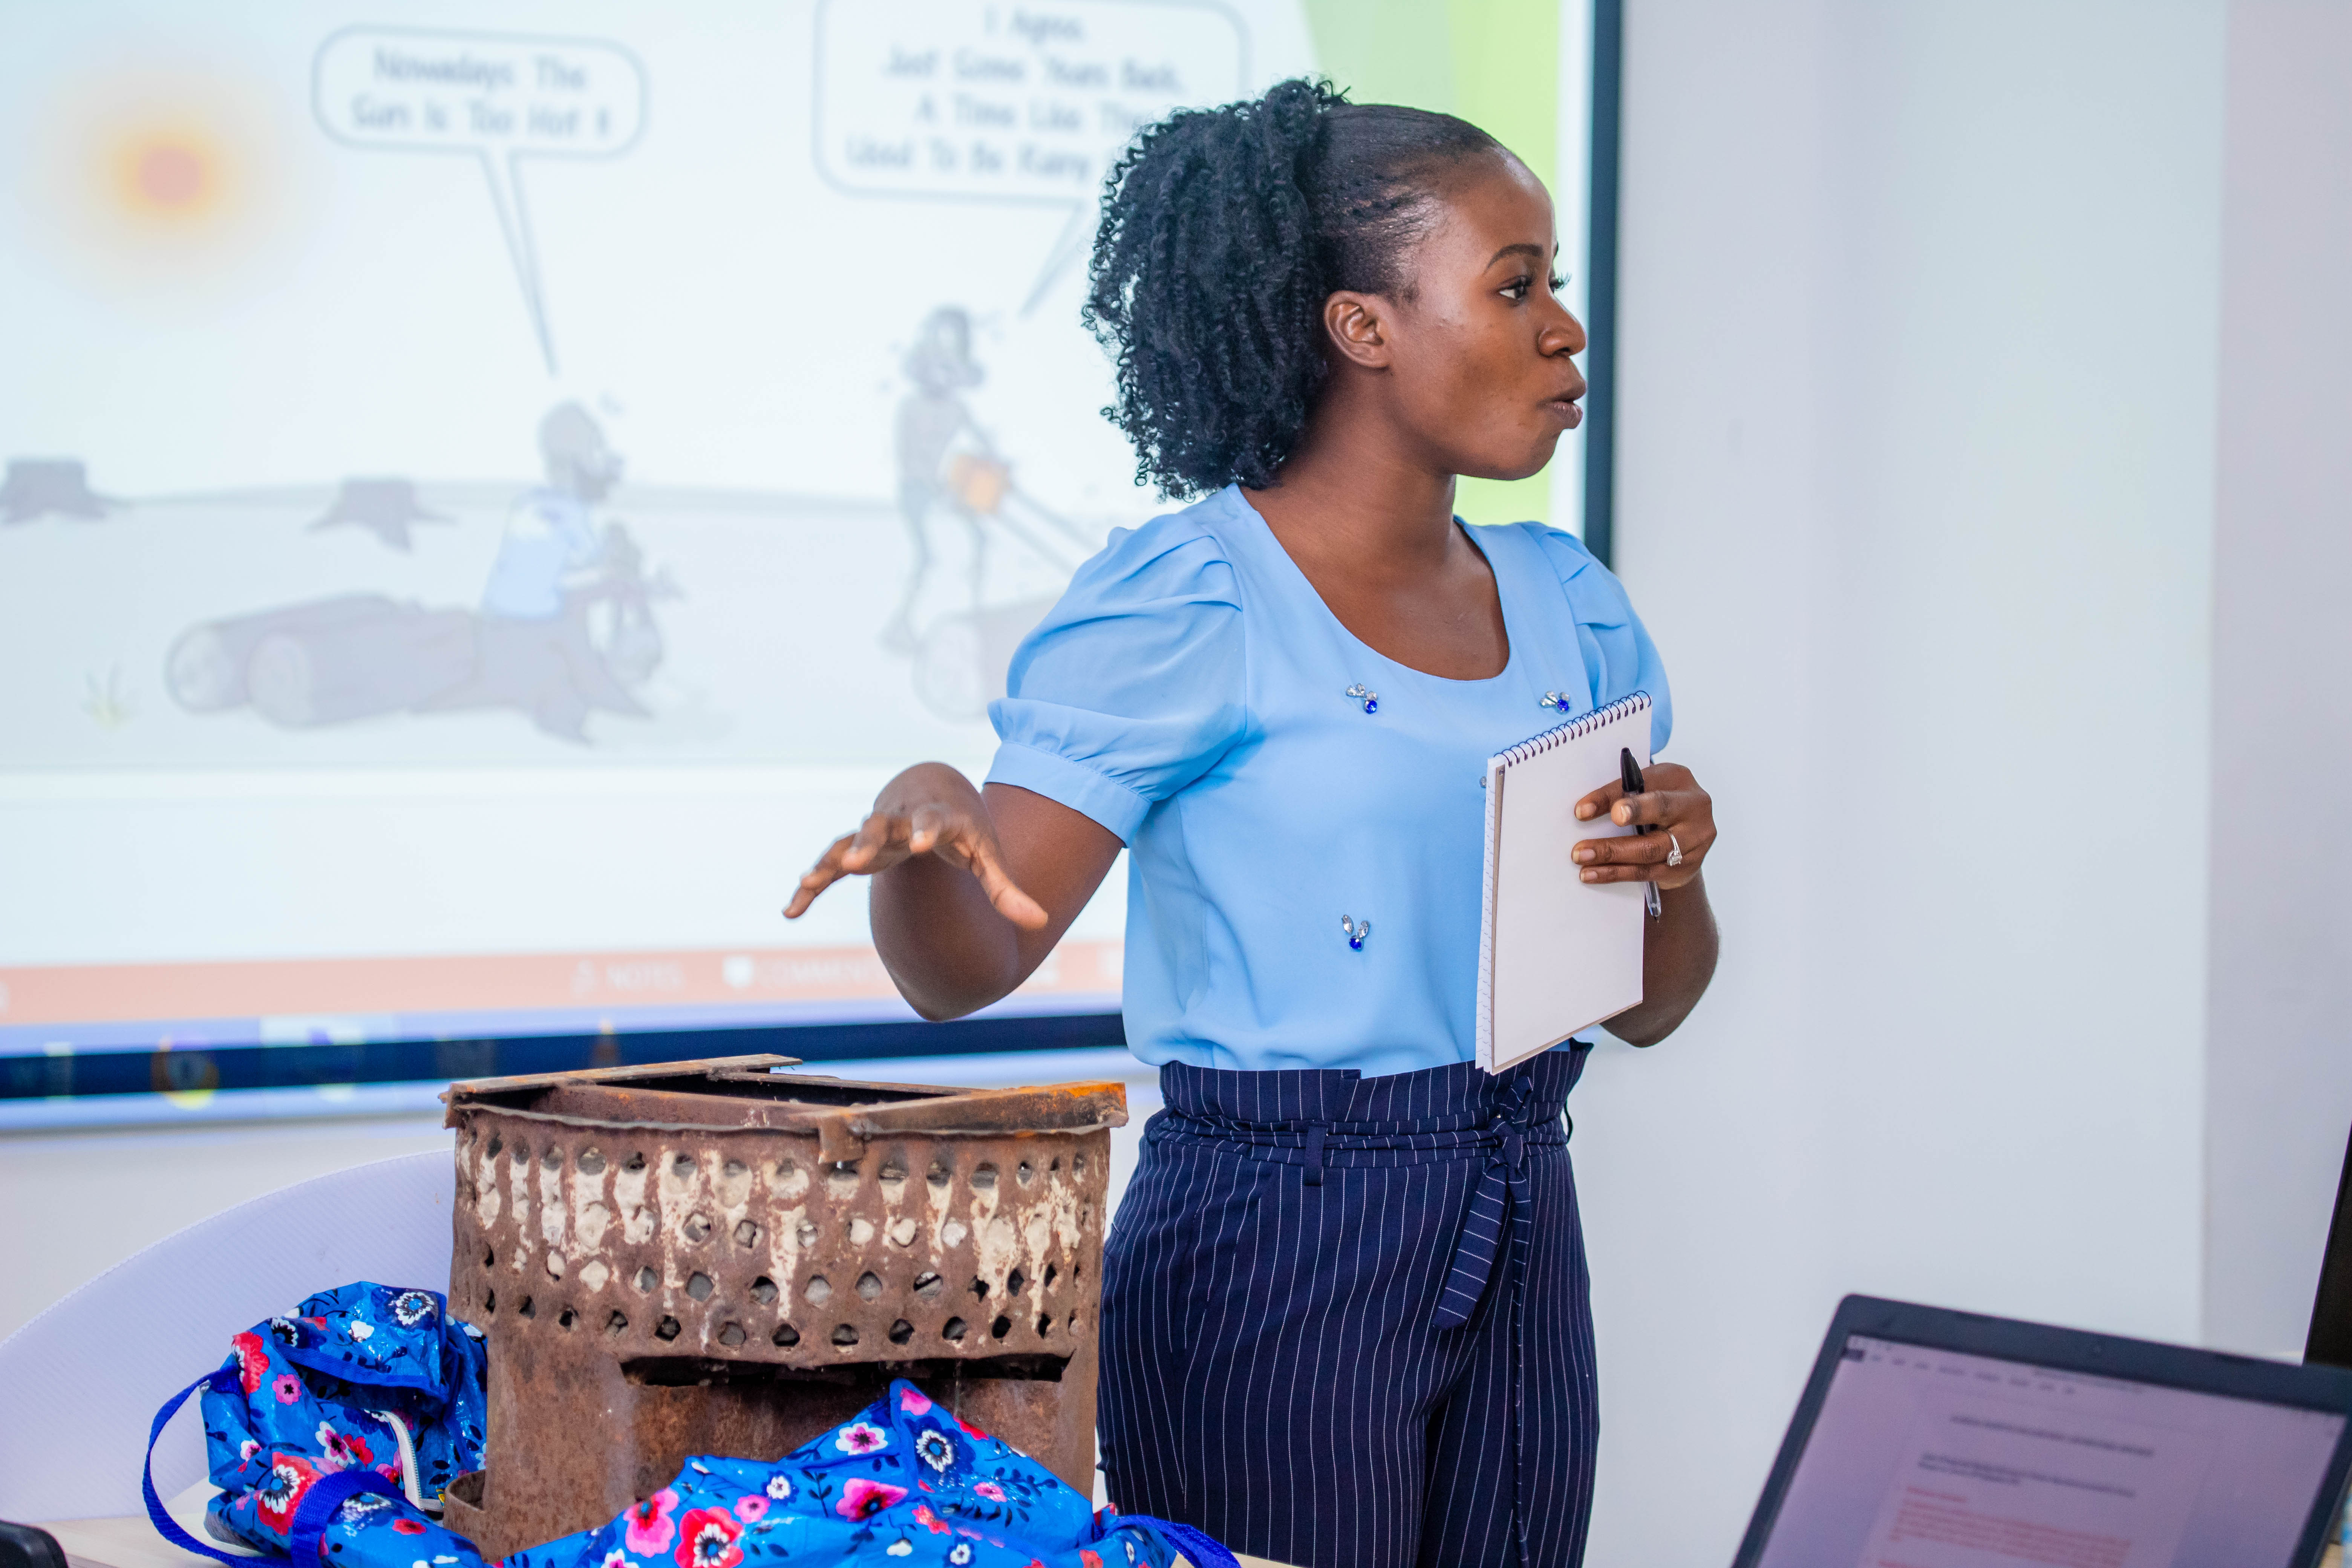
[{"x": 1678, "y": 814}]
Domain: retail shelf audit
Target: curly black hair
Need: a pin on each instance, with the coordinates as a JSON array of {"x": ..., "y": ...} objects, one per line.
[{"x": 1224, "y": 230}]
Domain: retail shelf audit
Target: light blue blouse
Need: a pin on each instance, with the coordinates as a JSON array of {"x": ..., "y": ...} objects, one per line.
[{"x": 1191, "y": 693}]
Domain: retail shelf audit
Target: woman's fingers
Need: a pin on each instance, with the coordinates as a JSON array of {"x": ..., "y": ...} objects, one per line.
[
  {"x": 1594, "y": 807},
  {"x": 879, "y": 842},
  {"x": 1681, "y": 821},
  {"x": 960, "y": 841},
  {"x": 1640, "y": 851},
  {"x": 819, "y": 877},
  {"x": 885, "y": 839},
  {"x": 1649, "y": 809},
  {"x": 1010, "y": 901},
  {"x": 873, "y": 839}
]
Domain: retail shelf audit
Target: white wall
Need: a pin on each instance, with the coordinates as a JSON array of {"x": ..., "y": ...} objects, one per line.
[
  {"x": 1919, "y": 323},
  {"x": 2279, "y": 1054}
]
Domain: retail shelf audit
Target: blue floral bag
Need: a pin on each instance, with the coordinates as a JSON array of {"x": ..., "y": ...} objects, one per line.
[{"x": 370, "y": 1387}]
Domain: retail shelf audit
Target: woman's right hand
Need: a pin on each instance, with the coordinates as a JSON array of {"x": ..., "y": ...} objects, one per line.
[{"x": 929, "y": 809}]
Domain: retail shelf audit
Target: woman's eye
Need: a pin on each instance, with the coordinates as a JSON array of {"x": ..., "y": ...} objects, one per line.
[
  {"x": 1517, "y": 289},
  {"x": 1557, "y": 284}
]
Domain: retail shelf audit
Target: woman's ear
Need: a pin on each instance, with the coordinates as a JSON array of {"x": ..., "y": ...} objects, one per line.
[{"x": 1357, "y": 328}]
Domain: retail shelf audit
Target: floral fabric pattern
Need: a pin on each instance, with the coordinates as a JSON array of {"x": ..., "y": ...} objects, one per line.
[
  {"x": 312, "y": 1391},
  {"x": 307, "y": 1395},
  {"x": 902, "y": 1482}
]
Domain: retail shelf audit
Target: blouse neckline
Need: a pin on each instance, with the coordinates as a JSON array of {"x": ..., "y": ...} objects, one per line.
[{"x": 1266, "y": 537}]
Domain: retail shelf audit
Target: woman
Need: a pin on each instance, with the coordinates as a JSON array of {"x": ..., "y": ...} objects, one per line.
[{"x": 1281, "y": 700}]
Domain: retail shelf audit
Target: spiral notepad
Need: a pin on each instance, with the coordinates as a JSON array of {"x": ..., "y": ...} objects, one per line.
[{"x": 1556, "y": 954}]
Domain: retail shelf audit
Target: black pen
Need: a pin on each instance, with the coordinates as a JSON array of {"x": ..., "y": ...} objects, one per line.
[{"x": 1629, "y": 773}]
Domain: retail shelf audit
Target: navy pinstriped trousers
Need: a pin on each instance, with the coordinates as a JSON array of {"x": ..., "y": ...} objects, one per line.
[{"x": 1345, "y": 1320}]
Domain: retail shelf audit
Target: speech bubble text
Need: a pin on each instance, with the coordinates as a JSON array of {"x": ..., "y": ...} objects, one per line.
[
  {"x": 971, "y": 100},
  {"x": 498, "y": 97}
]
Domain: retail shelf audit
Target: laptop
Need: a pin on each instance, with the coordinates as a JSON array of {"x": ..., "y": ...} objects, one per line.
[{"x": 1929, "y": 1438}]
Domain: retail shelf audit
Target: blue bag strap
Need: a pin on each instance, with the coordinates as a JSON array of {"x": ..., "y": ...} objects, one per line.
[
  {"x": 1200, "y": 1549},
  {"x": 317, "y": 1507},
  {"x": 221, "y": 1379}
]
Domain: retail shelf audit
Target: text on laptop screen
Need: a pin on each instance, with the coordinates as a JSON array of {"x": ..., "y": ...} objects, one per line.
[{"x": 1929, "y": 1459}]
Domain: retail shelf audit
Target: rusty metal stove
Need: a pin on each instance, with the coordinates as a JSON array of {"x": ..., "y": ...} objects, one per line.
[{"x": 719, "y": 1257}]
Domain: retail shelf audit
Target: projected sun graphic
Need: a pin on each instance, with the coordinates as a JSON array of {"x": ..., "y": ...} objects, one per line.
[
  {"x": 160, "y": 180},
  {"x": 174, "y": 176}
]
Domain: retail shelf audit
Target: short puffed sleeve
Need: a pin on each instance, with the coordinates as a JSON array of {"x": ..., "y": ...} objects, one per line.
[
  {"x": 1131, "y": 688},
  {"x": 1618, "y": 652}
]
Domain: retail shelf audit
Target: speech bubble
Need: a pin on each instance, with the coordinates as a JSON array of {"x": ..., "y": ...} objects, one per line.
[
  {"x": 498, "y": 97},
  {"x": 971, "y": 100}
]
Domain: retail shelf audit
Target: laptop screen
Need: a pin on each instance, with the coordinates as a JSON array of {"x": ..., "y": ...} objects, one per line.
[{"x": 1930, "y": 1458}]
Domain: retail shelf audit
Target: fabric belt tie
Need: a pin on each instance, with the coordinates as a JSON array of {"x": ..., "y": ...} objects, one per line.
[{"x": 1503, "y": 1197}]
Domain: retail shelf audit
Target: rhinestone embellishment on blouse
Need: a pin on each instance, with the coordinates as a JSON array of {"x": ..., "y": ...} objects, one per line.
[
  {"x": 1365, "y": 695},
  {"x": 1356, "y": 933},
  {"x": 1559, "y": 701}
]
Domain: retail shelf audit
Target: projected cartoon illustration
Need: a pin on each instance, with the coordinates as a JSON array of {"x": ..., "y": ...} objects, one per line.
[
  {"x": 933, "y": 423},
  {"x": 312, "y": 551},
  {"x": 565, "y": 625},
  {"x": 502, "y": 482},
  {"x": 953, "y": 481}
]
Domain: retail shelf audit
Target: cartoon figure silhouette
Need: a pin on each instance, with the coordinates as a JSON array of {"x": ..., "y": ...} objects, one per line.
[
  {"x": 945, "y": 462},
  {"x": 566, "y": 625},
  {"x": 551, "y": 534}
]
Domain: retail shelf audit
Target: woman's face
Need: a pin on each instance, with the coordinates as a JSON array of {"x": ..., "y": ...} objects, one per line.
[{"x": 1477, "y": 362}]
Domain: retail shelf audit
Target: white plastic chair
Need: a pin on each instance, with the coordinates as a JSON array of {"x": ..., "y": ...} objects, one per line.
[{"x": 80, "y": 1384}]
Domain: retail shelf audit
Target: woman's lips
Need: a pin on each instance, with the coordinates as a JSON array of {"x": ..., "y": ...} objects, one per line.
[{"x": 1566, "y": 412}]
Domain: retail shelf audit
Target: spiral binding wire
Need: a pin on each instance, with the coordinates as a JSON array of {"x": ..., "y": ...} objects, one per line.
[{"x": 1575, "y": 729}]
